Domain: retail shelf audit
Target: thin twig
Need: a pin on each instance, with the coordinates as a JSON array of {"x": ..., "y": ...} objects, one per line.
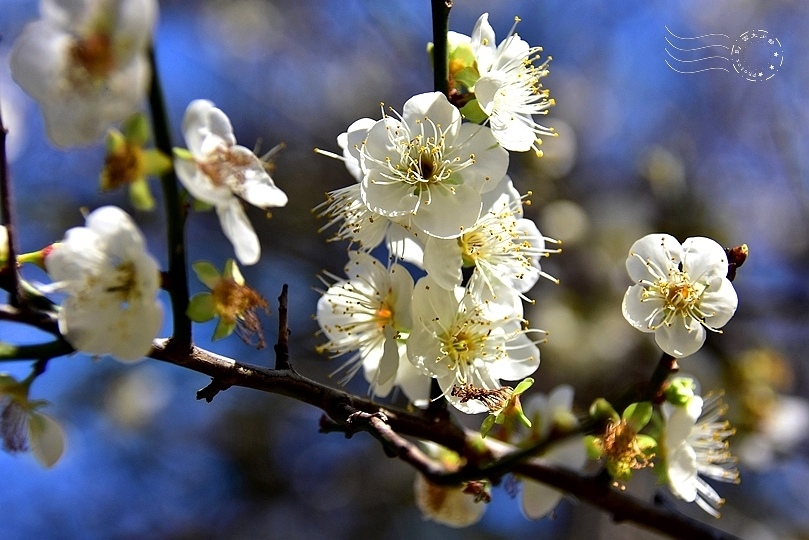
[
  {"x": 175, "y": 217},
  {"x": 282, "y": 347},
  {"x": 440, "y": 17},
  {"x": 9, "y": 273}
]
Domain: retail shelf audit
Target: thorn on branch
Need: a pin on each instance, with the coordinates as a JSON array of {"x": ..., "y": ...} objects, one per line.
[
  {"x": 210, "y": 391},
  {"x": 282, "y": 347}
]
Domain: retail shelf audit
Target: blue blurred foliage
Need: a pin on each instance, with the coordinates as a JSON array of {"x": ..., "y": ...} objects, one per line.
[{"x": 254, "y": 466}]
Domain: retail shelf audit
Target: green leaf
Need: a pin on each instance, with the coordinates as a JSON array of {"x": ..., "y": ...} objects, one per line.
[{"x": 201, "y": 307}]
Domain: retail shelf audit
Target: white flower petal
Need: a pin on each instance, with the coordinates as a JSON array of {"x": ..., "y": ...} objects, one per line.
[
  {"x": 491, "y": 160},
  {"x": 442, "y": 260},
  {"x": 683, "y": 337},
  {"x": 240, "y": 232},
  {"x": 447, "y": 504},
  {"x": 47, "y": 439},
  {"x": 539, "y": 500},
  {"x": 205, "y": 127},
  {"x": 719, "y": 305},
  {"x": 640, "y": 312},
  {"x": 682, "y": 472},
  {"x": 704, "y": 259},
  {"x": 449, "y": 213},
  {"x": 433, "y": 106},
  {"x": 483, "y": 43},
  {"x": 652, "y": 256}
]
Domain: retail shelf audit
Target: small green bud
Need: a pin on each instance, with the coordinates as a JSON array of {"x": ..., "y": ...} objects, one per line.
[{"x": 680, "y": 390}]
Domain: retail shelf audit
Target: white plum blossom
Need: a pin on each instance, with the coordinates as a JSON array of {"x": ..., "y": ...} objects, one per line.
[
  {"x": 509, "y": 90},
  {"x": 554, "y": 411},
  {"x": 368, "y": 313},
  {"x": 463, "y": 345},
  {"x": 111, "y": 284},
  {"x": 503, "y": 248},
  {"x": 85, "y": 62},
  {"x": 24, "y": 427},
  {"x": 679, "y": 291},
  {"x": 453, "y": 506},
  {"x": 221, "y": 173},
  {"x": 430, "y": 168},
  {"x": 694, "y": 445}
]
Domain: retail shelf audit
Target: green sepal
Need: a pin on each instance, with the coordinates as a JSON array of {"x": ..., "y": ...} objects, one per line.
[
  {"x": 472, "y": 112},
  {"x": 141, "y": 196},
  {"x": 592, "y": 445},
  {"x": 467, "y": 76},
  {"x": 136, "y": 129},
  {"x": 155, "y": 162},
  {"x": 460, "y": 51},
  {"x": 637, "y": 415},
  {"x": 487, "y": 425},
  {"x": 182, "y": 153},
  {"x": 602, "y": 410},
  {"x": 115, "y": 141},
  {"x": 206, "y": 273},
  {"x": 201, "y": 307},
  {"x": 200, "y": 206},
  {"x": 524, "y": 385},
  {"x": 223, "y": 329},
  {"x": 647, "y": 444}
]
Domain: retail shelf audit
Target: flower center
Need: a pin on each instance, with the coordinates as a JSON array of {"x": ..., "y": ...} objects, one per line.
[
  {"x": 472, "y": 244},
  {"x": 622, "y": 450},
  {"x": 233, "y": 300},
  {"x": 226, "y": 168},
  {"x": 92, "y": 59},
  {"x": 384, "y": 314},
  {"x": 125, "y": 287},
  {"x": 463, "y": 347},
  {"x": 123, "y": 167},
  {"x": 423, "y": 161}
]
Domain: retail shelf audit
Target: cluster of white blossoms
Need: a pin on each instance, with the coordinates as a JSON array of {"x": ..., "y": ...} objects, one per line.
[
  {"x": 433, "y": 188},
  {"x": 85, "y": 62}
]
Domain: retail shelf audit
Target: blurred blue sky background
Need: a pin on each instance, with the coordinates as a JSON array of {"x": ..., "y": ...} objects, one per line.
[{"x": 642, "y": 149}]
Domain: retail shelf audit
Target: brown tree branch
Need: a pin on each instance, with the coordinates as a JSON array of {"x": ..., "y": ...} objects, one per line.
[{"x": 391, "y": 427}]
